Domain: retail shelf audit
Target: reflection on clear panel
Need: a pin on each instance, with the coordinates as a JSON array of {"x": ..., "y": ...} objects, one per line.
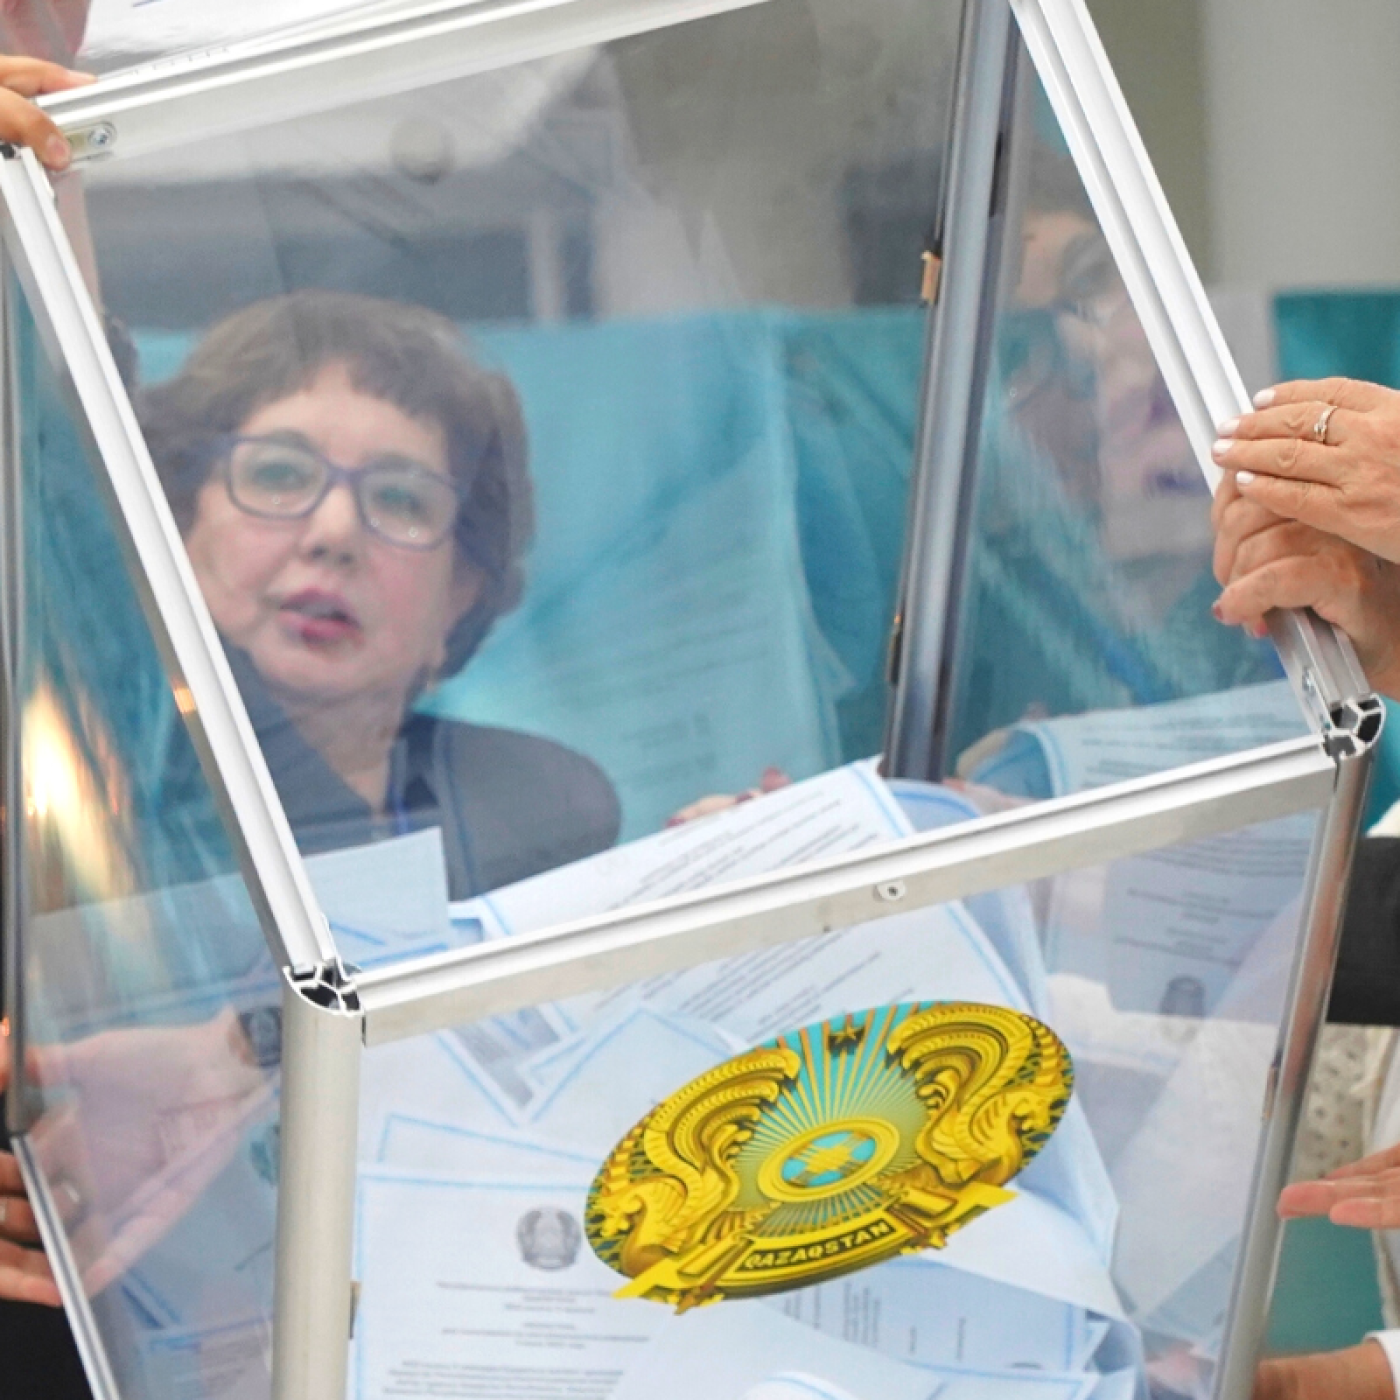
[
  {"x": 721, "y": 1134},
  {"x": 1090, "y": 557},
  {"x": 147, "y": 991},
  {"x": 541, "y": 444},
  {"x": 682, "y": 278},
  {"x": 675, "y": 388}
]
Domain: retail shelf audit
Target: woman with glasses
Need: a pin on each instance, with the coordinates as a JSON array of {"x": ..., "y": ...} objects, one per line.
[{"x": 354, "y": 496}]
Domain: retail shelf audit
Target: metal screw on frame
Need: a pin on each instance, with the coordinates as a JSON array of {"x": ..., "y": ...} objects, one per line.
[{"x": 94, "y": 141}]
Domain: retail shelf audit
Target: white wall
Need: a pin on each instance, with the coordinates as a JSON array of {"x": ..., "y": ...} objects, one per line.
[{"x": 1303, "y": 101}]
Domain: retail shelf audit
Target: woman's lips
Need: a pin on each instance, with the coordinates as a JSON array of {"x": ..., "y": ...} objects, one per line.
[{"x": 318, "y": 617}]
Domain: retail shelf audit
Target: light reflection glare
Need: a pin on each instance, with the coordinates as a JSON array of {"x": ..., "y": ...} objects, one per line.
[{"x": 69, "y": 791}]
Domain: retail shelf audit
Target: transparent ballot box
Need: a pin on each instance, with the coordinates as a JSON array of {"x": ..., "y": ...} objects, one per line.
[{"x": 623, "y": 780}]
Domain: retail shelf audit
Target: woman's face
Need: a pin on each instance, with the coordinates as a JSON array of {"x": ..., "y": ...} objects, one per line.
[{"x": 326, "y": 610}]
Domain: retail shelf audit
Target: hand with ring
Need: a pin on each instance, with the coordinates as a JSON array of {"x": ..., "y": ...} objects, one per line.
[
  {"x": 1325, "y": 453},
  {"x": 1264, "y": 561}
]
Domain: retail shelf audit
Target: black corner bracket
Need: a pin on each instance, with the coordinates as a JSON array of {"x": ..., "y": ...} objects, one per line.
[
  {"x": 1355, "y": 726},
  {"x": 329, "y": 985}
]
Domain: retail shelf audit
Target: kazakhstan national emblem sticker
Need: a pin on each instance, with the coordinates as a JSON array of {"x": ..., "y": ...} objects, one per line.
[{"x": 827, "y": 1150}]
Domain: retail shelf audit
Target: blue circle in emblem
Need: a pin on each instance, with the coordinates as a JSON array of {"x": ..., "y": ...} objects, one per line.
[{"x": 826, "y": 1161}]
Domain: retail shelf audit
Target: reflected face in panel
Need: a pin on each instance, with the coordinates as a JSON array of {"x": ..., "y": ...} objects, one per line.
[
  {"x": 1106, "y": 406},
  {"x": 326, "y": 609}
]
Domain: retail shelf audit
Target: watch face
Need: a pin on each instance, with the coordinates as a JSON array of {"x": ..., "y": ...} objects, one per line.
[{"x": 828, "y": 1149}]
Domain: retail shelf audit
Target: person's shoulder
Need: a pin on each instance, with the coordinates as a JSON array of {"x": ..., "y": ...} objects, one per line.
[
  {"x": 519, "y": 757},
  {"x": 528, "y": 803}
]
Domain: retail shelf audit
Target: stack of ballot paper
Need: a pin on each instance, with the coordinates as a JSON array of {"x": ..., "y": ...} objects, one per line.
[{"x": 481, "y": 1145}]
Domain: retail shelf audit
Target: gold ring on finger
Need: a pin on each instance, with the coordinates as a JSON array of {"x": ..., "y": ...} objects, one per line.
[{"x": 1324, "y": 421}]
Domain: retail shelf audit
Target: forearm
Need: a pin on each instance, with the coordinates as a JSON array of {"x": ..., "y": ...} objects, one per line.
[{"x": 1358, "y": 1373}]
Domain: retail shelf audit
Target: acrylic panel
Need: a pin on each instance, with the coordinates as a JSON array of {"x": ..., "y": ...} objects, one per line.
[
  {"x": 994, "y": 1145},
  {"x": 542, "y": 442},
  {"x": 1084, "y": 650},
  {"x": 148, "y": 1002}
]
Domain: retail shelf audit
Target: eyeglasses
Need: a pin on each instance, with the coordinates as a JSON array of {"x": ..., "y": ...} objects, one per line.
[{"x": 401, "y": 501}]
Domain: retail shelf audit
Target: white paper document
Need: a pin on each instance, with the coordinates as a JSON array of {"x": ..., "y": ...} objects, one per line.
[
  {"x": 418, "y": 1144},
  {"x": 1168, "y": 931},
  {"x": 589, "y": 1098},
  {"x": 1110, "y": 746},
  {"x": 488, "y": 1290},
  {"x": 386, "y": 900},
  {"x": 733, "y": 1352},
  {"x": 917, "y": 1309},
  {"x": 842, "y": 811}
]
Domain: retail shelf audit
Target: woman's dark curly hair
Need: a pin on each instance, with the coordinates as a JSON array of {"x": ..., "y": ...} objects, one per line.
[{"x": 405, "y": 355}]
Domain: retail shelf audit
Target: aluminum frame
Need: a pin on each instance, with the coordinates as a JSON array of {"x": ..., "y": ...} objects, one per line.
[
  {"x": 432, "y": 993},
  {"x": 314, "y": 1295},
  {"x": 956, "y": 364},
  {"x": 13, "y": 882},
  {"x": 196, "y": 98},
  {"x": 204, "y": 689},
  {"x": 1324, "y": 904},
  {"x": 86, "y": 1335},
  {"x": 1166, "y": 292}
]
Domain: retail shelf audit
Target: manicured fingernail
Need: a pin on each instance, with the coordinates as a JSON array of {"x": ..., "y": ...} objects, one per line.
[
  {"x": 1264, "y": 398},
  {"x": 747, "y": 795},
  {"x": 1244, "y": 478},
  {"x": 56, "y": 154},
  {"x": 1217, "y": 612},
  {"x": 1229, "y": 427},
  {"x": 1221, "y": 448},
  {"x": 1258, "y": 631}
]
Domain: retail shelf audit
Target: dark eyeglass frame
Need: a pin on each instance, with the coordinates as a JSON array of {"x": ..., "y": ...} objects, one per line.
[{"x": 222, "y": 450}]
